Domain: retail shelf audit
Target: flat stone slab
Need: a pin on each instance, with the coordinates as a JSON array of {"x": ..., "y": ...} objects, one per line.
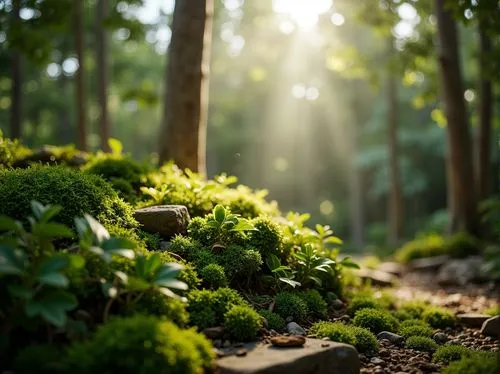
[
  {"x": 429, "y": 263},
  {"x": 166, "y": 220},
  {"x": 491, "y": 327},
  {"x": 315, "y": 357},
  {"x": 377, "y": 277},
  {"x": 473, "y": 319},
  {"x": 392, "y": 268}
]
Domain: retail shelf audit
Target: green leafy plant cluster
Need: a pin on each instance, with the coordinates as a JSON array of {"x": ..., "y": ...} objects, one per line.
[
  {"x": 290, "y": 304},
  {"x": 375, "y": 320},
  {"x": 421, "y": 343},
  {"x": 316, "y": 305},
  {"x": 274, "y": 320},
  {"x": 242, "y": 322},
  {"x": 213, "y": 276}
]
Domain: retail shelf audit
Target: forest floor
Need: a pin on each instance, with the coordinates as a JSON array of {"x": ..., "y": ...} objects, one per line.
[{"x": 472, "y": 298}]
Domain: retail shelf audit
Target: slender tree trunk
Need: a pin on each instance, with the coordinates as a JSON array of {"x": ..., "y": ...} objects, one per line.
[
  {"x": 80, "y": 75},
  {"x": 460, "y": 175},
  {"x": 64, "y": 116},
  {"x": 395, "y": 200},
  {"x": 183, "y": 133},
  {"x": 102, "y": 10},
  {"x": 483, "y": 171},
  {"x": 17, "y": 80}
]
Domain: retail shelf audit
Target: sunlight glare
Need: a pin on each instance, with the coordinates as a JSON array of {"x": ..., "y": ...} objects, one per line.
[
  {"x": 337, "y": 19},
  {"x": 305, "y": 13}
]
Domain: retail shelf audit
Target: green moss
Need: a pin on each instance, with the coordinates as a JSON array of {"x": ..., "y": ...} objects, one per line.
[
  {"x": 200, "y": 232},
  {"x": 184, "y": 246},
  {"x": 239, "y": 262},
  {"x": 449, "y": 353},
  {"x": 426, "y": 246},
  {"x": 267, "y": 237},
  {"x": 187, "y": 275},
  {"x": 413, "y": 322},
  {"x": 438, "y": 318},
  {"x": 415, "y": 330},
  {"x": 493, "y": 311},
  {"x": 242, "y": 322},
  {"x": 213, "y": 276},
  {"x": 151, "y": 241},
  {"x": 335, "y": 331},
  {"x": 203, "y": 257},
  {"x": 375, "y": 320},
  {"x": 462, "y": 245},
  {"x": 366, "y": 341},
  {"x": 315, "y": 304},
  {"x": 41, "y": 359},
  {"x": 274, "y": 320},
  {"x": 421, "y": 343},
  {"x": 288, "y": 304},
  {"x": 207, "y": 308},
  {"x": 162, "y": 306},
  {"x": 362, "y": 302},
  {"x": 76, "y": 192},
  {"x": 412, "y": 309},
  {"x": 478, "y": 363},
  {"x": 141, "y": 344}
]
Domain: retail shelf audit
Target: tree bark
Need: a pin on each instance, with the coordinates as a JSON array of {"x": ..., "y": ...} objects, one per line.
[
  {"x": 102, "y": 10},
  {"x": 80, "y": 75},
  {"x": 17, "y": 79},
  {"x": 183, "y": 133},
  {"x": 460, "y": 174},
  {"x": 483, "y": 170},
  {"x": 395, "y": 200}
]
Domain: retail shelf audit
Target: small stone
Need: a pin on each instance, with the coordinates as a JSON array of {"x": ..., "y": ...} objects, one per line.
[
  {"x": 238, "y": 345},
  {"x": 337, "y": 304},
  {"x": 265, "y": 324},
  {"x": 462, "y": 336},
  {"x": 345, "y": 318},
  {"x": 164, "y": 245},
  {"x": 273, "y": 332},
  {"x": 227, "y": 344},
  {"x": 392, "y": 268},
  {"x": 472, "y": 319},
  {"x": 377, "y": 361},
  {"x": 214, "y": 332},
  {"x": 324, "y": 345},
  {"x": 429, "y": 263},
  {"x": 217, "y": 343},
  {"x": 288, "y": 341},
  {"x": 326, "y": 339},
  {"x": 440, "y": 337},
  {"x": 376, "y": 277},
  {"x": 289, "y": 319},
  {"x": 166, "y": 220},
  {"x": 219, "y": 353},
  {"x": 241, "y": 352},
  {"x": 295, "y": 329},
  {"x": 393, "y": 338},
  {"x": 453, "y": 342},
  {"x": 491, "y": 327}
]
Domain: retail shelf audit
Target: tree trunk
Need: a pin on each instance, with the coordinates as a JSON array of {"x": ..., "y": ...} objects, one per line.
[
  {"x": 483, "y": 171},
  {"x": 80, "y": 75},
  {"x": 461, "y": 174},
  {"x": 102, "y": 10},
  {"x": 183, "y": 133},
  {"x": 395, "y": 200},
  {"x": 65, "y": 131},
  {"x": 17, "y": 80}
]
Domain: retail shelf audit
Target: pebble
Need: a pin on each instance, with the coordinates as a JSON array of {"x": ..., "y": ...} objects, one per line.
[
  {"x": 241, "y": 352},
  {"x": 288, "y": 341},
  {"x": 295, "y": 329},
  {"x": 226, "y": 344},
  {"x": 440, "y": 337},
  {"x": 337, "y": 304},
  {"x": 376, "y": 361},
  {"x": 393, "y": 338}
]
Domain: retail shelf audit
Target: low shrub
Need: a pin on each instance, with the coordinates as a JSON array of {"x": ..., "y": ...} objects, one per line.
[
  {"x": 274, "y": 320},
  {"x": 315, "y": 303},
  {"x": 375, "y": 320},
  {"x": 366, "y": 341},
  {"x": 200, "y": 232},
  {"x": 421, "y": 343},
  {"x": 478, "y": 363},
  {"x": 213, "y": 276},
  {"x": 239, "y": 262},
  {"x": 113, "y": 167},
  {"x": 462, "y": 245},
  {"x": 41, "y": 358},
  {"x": 449, "y": 353},
  {"x": 141, "y": 344},
  {"x": 335, "y": 331},
  {"x": 161, "y": 306},
  {"x": 267, "y": 237},
  {"x": 362, "y": 302},
  {"x": 242, "y": 322},
  {"x": 76, "y": 192},
  {"x": 415, "y": 330},
  {"x": 426, "y": 246},
  {"x": 438, "y": 318},
  {"x": 289, "y": 304}
]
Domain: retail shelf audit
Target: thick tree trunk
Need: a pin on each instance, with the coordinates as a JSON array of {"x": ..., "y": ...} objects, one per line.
[
  {"x": 102, "y": 11},
  {"x": 483, "y": 170},
  {"x": 395, "y": 198},
  {"x": 80, "y": 75},
  {"x": 461, "y": 174},
  {"x": 17, "y": 80},
  {"x": 183, "y": 133}
]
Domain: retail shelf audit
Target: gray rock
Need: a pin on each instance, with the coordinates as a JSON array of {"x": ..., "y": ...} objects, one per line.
[
  {"x": 164, "y": 245},
  {"x": 472, "y": 319},
  {"x": 376, "y": 277},
  {"x": 453, "y": 342},
  {"x": 289, "y": 319},
  {"x": 166, "y": 220},
  {"x": 460, "y": 272},
  {"x": 393, "y": 338},
  {"x": 376, "y": 361},
  {"x": 295, "y": 329},
  {"x": 392, "y": 268},
  {"x": 429, "y": 263},
  {"x": 440, "y": 337},
  {"x": 312, "y": 358},
  {"x": 491, "y": 327},
  {"x": 337, "y": 304},
  {"x": 214, "y": 332}
]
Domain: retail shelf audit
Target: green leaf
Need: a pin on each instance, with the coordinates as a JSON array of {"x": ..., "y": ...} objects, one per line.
[
  {"x": 137, "y": 284},
  {"x": 37, "y": 209},
  {"x": 54, "y": 279},
  {"x": 116, "y": 146},
  {"x": 99, "y": 232},
  {"x": 53, "y": 264},
  {"x": 76, "y": 261},
  {"x": 316, "y": 280},
  {"x": 52, "y": 307},
  {"x": 152, "y": 264},
  {"x": 20, "y": 291},
  {"x": 273, "y": 262},
  {"x": 172, "y": 283},
  {"x": 127, "y": 253},
  {"x": 219, "y": 213},
  {"x": 349, "y": 263},
  {"x": 213, "y": 224},
  {"x": 333, "y": 240},
  {"x": 51, "y": 230},
  {"x": 50, "y": 212},
  {"x": 8, "y": 224},
  {"x": 117, "y": 243},
  {"x": 12, "y": 261},
  {"x": 243, "y": 225},
  {"x": 291, "y": 282},
  {"x": 168, "y": 271}
]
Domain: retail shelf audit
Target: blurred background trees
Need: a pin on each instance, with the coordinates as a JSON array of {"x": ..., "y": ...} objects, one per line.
[{"x": 366, "y": 113}]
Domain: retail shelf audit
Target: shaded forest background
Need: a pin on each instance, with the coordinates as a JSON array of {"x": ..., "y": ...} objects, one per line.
[{"x": 342, "y": 116}]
